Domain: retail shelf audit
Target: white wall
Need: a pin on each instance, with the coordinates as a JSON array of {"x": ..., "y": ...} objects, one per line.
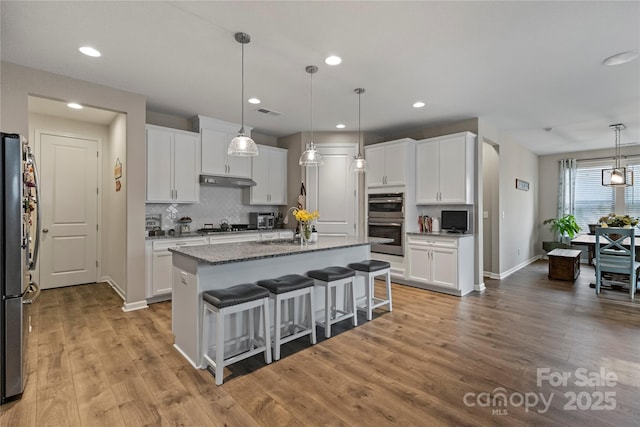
[
  {"x": 17, "y": 83},
  {"x": 490, "y": 197},
  {"x": 115, "y": 206}
]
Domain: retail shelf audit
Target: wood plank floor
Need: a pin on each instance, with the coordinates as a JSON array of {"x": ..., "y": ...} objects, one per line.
[{"x": 435, "y": 360}]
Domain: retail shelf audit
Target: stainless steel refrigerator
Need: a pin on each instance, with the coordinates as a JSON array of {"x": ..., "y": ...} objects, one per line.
[{"x": 19, "y": 245}]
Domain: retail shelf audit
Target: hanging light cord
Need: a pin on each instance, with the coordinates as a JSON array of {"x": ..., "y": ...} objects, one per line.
[
  {"x": 617, "y": 147},
  {"x": 359, "y": 133},
  {"x": 242, "y": 91},
  {"x": 311, "y": 109}
]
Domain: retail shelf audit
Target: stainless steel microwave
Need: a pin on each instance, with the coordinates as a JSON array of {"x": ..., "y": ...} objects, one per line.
[{"x": 262, "y": 220}]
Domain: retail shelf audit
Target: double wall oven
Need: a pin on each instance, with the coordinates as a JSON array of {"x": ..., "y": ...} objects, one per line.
[{"x": 386, "y": 219}]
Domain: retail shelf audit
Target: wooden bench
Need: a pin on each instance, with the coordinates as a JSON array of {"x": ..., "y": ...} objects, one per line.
[{"x": 564, "y": 264}]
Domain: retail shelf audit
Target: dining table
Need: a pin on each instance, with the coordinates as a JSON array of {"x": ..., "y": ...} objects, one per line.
[{"x": 589, "y": 240}]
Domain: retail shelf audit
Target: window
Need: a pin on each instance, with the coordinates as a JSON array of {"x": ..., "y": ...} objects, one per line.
[
  {"x": 593, "y": 200},
  {"x": 632, "y": 194}
]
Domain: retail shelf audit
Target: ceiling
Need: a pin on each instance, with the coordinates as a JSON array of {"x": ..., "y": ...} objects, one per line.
[{"x": 520, "y": 66}]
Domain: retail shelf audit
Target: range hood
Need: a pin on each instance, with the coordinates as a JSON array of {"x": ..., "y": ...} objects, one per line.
[{"x": 226, "y": 181}]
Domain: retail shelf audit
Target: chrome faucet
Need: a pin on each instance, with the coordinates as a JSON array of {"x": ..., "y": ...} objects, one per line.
[{"x": 286, "y": 216}]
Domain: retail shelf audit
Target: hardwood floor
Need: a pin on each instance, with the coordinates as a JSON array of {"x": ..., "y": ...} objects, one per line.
[{"x": 91, "y": 364}]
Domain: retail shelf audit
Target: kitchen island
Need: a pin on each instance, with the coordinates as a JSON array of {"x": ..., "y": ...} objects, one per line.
[{"x": 197, "y": 269}]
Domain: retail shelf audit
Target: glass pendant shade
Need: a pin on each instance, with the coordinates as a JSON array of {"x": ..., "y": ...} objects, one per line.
[
  {"x": 311, "y": 157},
  {"x": 617, "y": 176},
  {"x": 242, "y": 145},
  {"x": 359, "y": 164}
]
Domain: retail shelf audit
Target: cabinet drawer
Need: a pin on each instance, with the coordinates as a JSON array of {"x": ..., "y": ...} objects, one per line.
[
  {"x": 432, "y": 241},
  {"x": 234, "y": 238},
  {"x": 163, "y": 245}
]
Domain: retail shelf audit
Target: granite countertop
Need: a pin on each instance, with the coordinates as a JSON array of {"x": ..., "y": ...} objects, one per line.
[
  {"x": 238, "y": 252},
  {"x": 440, "y": 234}
]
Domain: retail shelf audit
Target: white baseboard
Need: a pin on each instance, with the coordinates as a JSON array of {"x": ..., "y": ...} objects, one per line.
[
  {"x": 512, "y": 270},
  {"x": 131, "y": 306},
  {"x": 187, "y": 357},
  {"x": 479, "y": 287},
  {"x": 114, "y": 286}
]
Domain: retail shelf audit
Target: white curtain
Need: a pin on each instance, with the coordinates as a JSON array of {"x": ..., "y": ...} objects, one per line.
[{"x": 567, "y": 187}]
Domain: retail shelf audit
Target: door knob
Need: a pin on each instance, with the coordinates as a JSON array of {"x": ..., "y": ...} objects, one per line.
[{"x": 45, "y": 230}]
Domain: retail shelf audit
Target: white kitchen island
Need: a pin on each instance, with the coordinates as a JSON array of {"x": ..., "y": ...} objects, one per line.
[{"x": 197, "y": 269}]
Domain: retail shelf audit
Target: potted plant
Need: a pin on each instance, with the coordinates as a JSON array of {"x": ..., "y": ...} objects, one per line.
[{"x": 563, "y": 227}]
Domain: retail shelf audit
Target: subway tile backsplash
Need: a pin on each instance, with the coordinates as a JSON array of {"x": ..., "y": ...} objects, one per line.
[{"x": 216, "y": 203}]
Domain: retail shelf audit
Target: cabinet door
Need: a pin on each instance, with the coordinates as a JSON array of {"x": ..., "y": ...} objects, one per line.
[
  {"x": 260, "y": 174},
  {"x": 185, "y": 155},
  {"x": 213, "y": 149},
  {"x": 453, "y": 170},
  {"x": 395, "y": 164},
  {"x": 375, "y": 166},
  {"x": 238, "y": 166},
  {"x": 419, "y": 263},
  {"x": 443, "y": 267},
  {"x": 159, "y": 165},
  {"x": 162, "y": 273},
  {"x": 427, "y": 172},
  {"x": 278, "y": 177}
]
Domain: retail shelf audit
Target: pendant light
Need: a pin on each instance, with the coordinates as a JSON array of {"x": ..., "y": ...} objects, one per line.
[
  {"x": 617, "y": 176},
  {"x": 311, "y": 156},
  {"x": 242, "y": 145},
  {"x": 359, "y": 164}
]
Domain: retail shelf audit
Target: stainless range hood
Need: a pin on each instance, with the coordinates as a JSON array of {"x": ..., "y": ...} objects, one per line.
[{"x": 226, "y": 181}]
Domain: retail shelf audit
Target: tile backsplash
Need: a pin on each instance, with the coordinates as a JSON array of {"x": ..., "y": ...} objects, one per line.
[{"x": 216, "y": 203}]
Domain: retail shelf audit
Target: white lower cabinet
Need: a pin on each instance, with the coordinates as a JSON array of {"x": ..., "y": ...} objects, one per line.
[
  {"x": 160, "y": 263},
  {"x": 446, "y": 263}
]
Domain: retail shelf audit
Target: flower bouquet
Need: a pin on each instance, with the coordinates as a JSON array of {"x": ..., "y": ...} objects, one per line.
[{"x": 304, "y": 218}]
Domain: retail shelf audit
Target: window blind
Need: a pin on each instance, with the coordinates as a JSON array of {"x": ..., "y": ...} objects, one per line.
[
  {"x": 593, "y": 200},
  {"x": 632, "y": 194}
]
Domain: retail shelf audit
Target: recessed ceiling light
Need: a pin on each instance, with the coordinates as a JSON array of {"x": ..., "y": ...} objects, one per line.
[
  {"x": 332, "y": 60},
  {"x": 74, "y": 105},
  {"x": 253, "y": 101},
  {"x": 418, "y": 104},
  {"x": 89, "y": 51},
  {"x": 621, "y": 58},
  {"x": 340, "y": 126}
]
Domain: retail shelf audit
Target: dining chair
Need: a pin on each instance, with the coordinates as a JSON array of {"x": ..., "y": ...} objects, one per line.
[{"x": 613, "y": 256}]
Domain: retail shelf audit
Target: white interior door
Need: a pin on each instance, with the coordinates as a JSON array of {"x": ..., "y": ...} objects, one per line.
[
  {"x": 69, "y": 177},
  {"x": 332, "y": 190}
]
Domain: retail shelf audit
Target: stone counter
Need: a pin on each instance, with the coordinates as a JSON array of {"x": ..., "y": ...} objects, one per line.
[{"x": 238, "y": 252}]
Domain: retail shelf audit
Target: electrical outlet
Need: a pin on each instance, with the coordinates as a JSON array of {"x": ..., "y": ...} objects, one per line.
[
  {"x": 183, "y": 277},
  {"x": 485, "y": 214}
]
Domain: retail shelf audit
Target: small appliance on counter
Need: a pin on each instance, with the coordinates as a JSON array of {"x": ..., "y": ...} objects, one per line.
[
  {"x": 262, "y": 220},
  {"x": 183, "y": 225}
]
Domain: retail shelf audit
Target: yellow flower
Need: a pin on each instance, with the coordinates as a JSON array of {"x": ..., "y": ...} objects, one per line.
[{"x": 303, "y": 215}]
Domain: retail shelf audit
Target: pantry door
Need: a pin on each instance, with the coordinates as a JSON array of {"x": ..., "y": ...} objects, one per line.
[
  {"x": 332, "y": 190},
  {"x": 69, "y": 198}
]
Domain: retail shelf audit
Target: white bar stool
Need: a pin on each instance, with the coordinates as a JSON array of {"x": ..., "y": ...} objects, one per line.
[
  {"x": 369, "y": 270},
  {"x": 330, "y": 278},
  {"x": 289, "y": 288},
  {"x": 236, "y": 299}
]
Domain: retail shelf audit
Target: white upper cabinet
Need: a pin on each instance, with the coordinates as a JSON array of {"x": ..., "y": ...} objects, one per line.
[
  {"x": 389, "y": 163},
  {"x": 445, "y": 169},
  {"x": 172, "y": 165},
  {"x": 269, "y": 171},
  {"x": 215, "y": 137}
]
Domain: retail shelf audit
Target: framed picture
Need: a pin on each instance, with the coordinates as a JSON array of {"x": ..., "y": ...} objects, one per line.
[{"x": 522, "y": 185}]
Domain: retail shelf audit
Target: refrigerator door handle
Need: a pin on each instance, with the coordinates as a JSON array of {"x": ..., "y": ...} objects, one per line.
[
  {"x": 36, "y": 245},
  {"x": 33, "y": 288}
]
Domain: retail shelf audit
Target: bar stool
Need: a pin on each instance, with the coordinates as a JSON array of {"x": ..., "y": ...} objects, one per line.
[
  {"x": 330, "y": 278},
  {"x": 369, "y": 270},
  {"x": 236, "y": 299},
  {"x": 288, "y": 288}
]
